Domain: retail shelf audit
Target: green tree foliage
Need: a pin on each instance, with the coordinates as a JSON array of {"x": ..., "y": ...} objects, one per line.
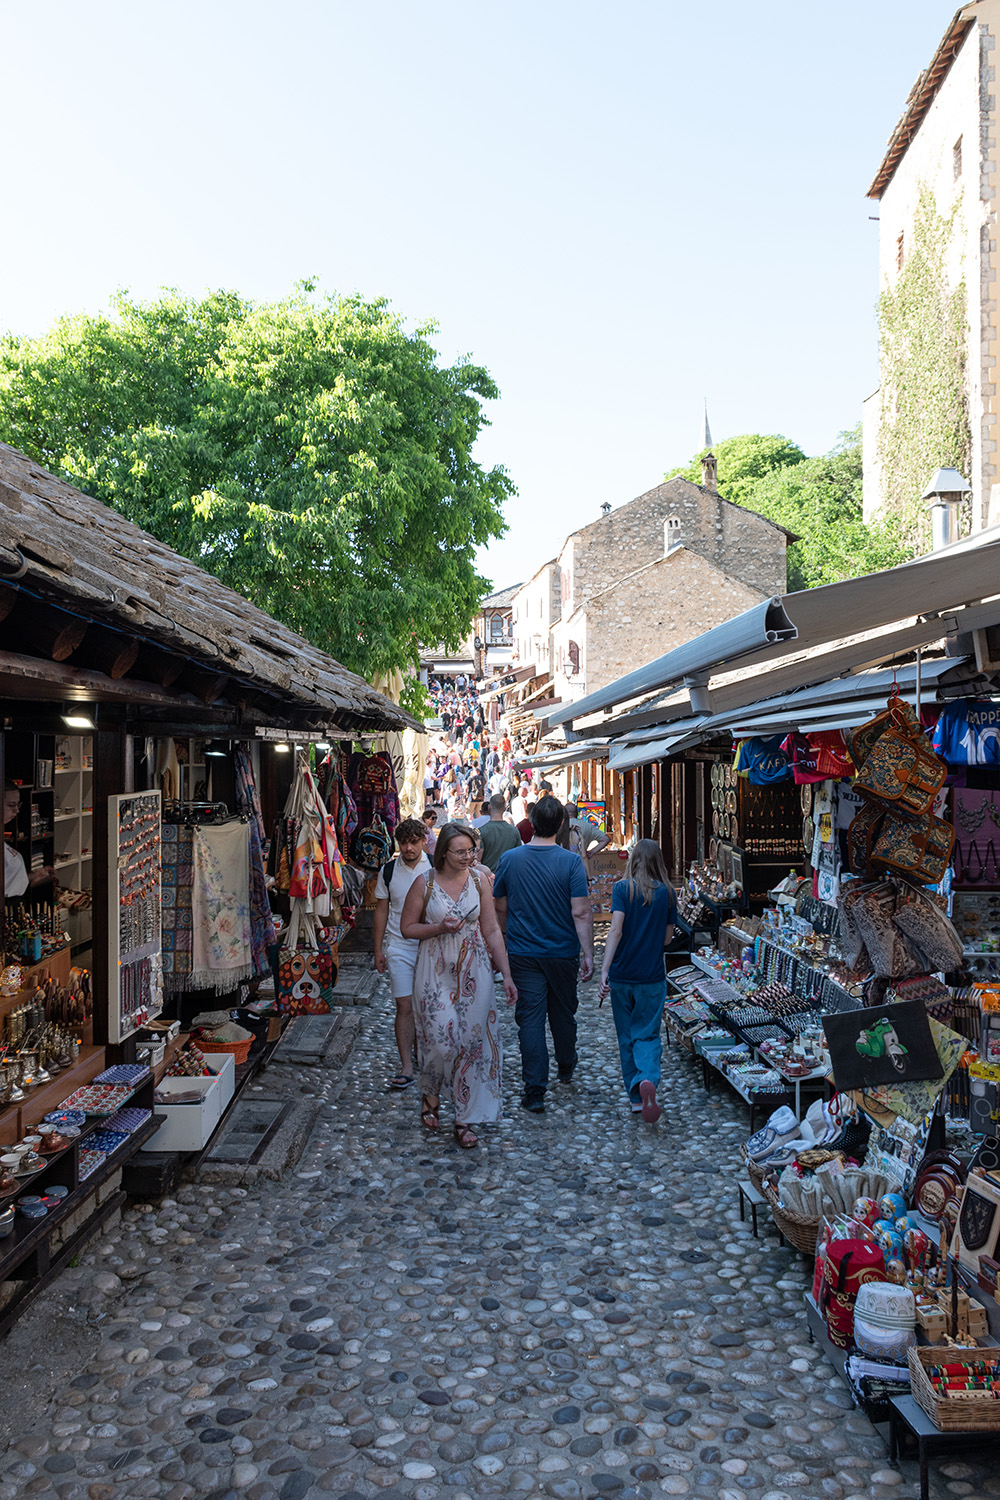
[
  {"x": 311, "y": 453},
  {"x": 817, "y": 499},
  {"x": 743, "y": 462},
  {"x": 924, "y": 415}
]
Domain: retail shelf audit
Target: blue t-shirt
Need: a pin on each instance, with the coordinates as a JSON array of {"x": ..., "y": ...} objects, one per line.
[
  {"x": 639, "y": 956},
  {"x": 539, "y": 881},
  {"x": 968, "y": 733}
]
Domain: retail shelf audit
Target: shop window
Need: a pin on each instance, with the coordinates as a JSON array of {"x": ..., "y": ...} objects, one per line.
[
  {"x": 956, "y": 159},
  {"x": 574, "y": 658}
]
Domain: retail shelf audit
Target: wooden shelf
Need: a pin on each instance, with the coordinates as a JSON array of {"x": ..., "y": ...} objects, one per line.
[{"x": 37, "y": 1102}]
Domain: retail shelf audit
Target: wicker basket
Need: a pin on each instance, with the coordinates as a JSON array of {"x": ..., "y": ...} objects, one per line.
[
  {"x": 966, "y": 1414},
  {"x": 799, "y": 1231},
  {"x": 755, "y": 1172},
  {"x": 240, "y": 1050}
]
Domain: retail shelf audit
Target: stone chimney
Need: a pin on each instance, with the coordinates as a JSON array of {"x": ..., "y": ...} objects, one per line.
[
  {"x": 606, "y": 508},
  {"x": 708, "y": 472}
]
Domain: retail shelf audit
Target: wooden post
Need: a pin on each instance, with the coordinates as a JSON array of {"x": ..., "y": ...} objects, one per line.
[
  {"x": 665, "y": 815},
  {"x": 645, "y": 802},
  {"x": 111, "y": 777}
]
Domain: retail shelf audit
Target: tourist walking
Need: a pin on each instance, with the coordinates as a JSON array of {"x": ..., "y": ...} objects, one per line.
[
  {"x": 542, "y": 902},
  {"x": 392, "y": 950},
  {"x": 497, "y": 834},
  {"x": 643, "y": 914},
  {"x": 452, "y": 915}
]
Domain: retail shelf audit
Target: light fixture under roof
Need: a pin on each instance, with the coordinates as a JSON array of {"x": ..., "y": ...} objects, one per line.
[
  {"x": 282, "y": 749},
  {"x": 217, "y": 748},
  {"x": 78, "y": 721}
]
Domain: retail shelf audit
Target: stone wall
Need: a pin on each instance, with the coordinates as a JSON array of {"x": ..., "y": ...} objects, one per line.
[
  {"x": 646, "y": 615},
  {"x": 534, "y": 609},
  {"x": 739, "y": 542},
  {"x": 954, "y": 153}
]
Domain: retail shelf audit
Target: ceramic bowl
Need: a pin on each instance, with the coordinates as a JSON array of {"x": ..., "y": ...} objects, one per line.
[
  {"x": 11, "y": 1161},
  {"x": 33, "y": 1140},
  {"x": 44, "y": 1129}
]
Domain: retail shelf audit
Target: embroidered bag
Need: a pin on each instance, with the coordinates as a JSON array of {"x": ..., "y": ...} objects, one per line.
[{"x": 371, "y": 847}]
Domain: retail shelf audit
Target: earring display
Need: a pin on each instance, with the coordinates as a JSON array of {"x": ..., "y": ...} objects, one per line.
[{"x": 134, "y": 899}]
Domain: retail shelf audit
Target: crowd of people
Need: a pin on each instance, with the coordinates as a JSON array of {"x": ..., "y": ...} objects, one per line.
[{"x": 492, "y": 884}]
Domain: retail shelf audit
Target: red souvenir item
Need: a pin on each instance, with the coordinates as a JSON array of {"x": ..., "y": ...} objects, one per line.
[
  {"x": 849, "y": 1264},
  {"x": 821, "y": 756}
]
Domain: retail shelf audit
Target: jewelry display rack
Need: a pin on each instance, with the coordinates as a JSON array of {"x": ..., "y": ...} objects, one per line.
[{"x": 134, "y": 923}]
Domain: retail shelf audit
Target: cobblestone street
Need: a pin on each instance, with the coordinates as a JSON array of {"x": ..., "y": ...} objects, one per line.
[{"x": 573, "y": 1310}]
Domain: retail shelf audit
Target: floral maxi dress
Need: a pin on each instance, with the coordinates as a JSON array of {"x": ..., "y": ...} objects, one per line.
[{"x": 454, "y": 1006}]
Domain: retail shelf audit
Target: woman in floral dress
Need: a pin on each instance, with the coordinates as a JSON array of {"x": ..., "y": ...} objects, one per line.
[{"x": 454, "y": 1001}]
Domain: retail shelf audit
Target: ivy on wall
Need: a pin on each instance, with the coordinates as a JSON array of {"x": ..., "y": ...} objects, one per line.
[{"x": 923, "y": 326}]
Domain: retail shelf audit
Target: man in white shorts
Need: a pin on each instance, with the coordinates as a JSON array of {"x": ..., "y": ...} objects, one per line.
[{"x": 392, "y": 951}]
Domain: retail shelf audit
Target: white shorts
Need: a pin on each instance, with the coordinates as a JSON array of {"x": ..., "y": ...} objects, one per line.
[{"x": 400, "y": 962}]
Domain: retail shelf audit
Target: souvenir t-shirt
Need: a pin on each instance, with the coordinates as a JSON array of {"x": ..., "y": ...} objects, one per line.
[
  {"x": 639, "y": 956},
  {"x": 539, "y": 881},
  {"x": 968, "y": 733},
  {"x": 826, "y": 846},
  {"x": 817, "y": 757},
  {"x": 762, "y": 761},
  {"x": 395, "y": 893}
]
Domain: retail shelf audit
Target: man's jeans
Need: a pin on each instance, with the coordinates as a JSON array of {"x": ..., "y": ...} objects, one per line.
[{"x": 546, "y": 988}]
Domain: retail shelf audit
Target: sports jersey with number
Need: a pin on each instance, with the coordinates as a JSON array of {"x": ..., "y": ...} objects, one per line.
[{"x": 968, "y": 733}]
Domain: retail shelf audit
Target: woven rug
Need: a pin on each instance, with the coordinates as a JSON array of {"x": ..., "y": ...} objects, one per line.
[
  {"x": 176, "y": 884},
  {"x": 221, "y": 952}
]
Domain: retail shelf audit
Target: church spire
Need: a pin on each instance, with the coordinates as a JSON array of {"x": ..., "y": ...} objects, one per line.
[{"x": 706, "y": 431}]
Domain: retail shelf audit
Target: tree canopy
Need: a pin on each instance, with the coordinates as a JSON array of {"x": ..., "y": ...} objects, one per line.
[
  {"x": 818, "y": 499},
  {"x": 311, "y": 453}
]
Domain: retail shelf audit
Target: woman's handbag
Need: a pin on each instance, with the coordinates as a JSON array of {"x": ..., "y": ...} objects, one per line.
[
  {"x": 928, "y": 930},
  {"x": 306, "y": 969},
  {"x": 902, "y": 773}
]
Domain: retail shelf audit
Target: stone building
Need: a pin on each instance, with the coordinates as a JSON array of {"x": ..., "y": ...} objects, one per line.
[
  {"x": 493, "y": 632},
  {"x": 946, "y": 144},
  {"x": 646, "y": 576}
]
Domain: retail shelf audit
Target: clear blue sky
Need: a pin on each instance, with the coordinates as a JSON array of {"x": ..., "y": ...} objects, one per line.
[{"x": 617, "y": 209}]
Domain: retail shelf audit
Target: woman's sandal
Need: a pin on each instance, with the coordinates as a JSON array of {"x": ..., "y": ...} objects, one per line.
[
  {"x": 466, "y": 1136},
  {"x": 429, "y": 1114}
]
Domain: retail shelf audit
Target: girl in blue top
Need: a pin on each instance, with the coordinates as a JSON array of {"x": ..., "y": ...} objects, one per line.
[{"x": 643, "y": 913}]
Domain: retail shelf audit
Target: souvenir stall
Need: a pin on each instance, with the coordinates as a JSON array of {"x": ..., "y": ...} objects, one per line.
[{"x": 147, "y": 714}]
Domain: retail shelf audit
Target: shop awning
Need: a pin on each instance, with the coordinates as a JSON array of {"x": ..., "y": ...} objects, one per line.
[
  {"x": 843, "y": 702},
  {"x": 566, "y": 755},
  {"x": 839, "y": 612}
]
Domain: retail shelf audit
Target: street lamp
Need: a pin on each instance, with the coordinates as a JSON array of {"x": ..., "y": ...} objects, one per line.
[{"x": 945, "y": 492}]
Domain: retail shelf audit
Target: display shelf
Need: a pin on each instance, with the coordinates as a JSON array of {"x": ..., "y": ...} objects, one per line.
[
  {"x": 28, "y": 1256},
  {"x": 39, "y": 1101}
]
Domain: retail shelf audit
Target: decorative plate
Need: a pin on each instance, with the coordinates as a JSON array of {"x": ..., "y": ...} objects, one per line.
[{"x": 806, "y": 796}]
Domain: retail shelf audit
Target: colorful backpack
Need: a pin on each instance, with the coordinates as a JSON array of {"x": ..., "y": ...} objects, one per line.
[{"x": 371, "y": 847}]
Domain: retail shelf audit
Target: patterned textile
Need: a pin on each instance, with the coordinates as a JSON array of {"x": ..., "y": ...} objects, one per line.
[
  {"x": 248, "y": 803},
  {"x": 454, "y": 1005},
  {"x": 176, "y": 886},
  {"x": 221, "y": 907}
]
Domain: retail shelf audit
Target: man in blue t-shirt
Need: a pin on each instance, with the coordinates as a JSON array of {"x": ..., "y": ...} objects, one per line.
[{"x": 543, "y": 905}]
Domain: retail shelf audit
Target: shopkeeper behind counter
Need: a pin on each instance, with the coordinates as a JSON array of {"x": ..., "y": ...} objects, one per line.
[{"x": 16, "y": 879}]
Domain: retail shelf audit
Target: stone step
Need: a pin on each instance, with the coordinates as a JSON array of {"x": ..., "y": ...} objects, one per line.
[{"x": 306, "y": 1038}]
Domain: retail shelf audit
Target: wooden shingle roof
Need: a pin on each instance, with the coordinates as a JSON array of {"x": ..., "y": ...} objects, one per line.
[{"x": 73, "y": 552}]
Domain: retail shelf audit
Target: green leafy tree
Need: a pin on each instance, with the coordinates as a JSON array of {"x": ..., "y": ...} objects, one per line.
[
  {"x": 817, "y": 499},
  {"x": 744, "y": 461},
  {"x": 311, "y": 453}
]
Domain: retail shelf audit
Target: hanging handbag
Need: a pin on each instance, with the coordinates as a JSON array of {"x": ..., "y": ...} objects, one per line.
[
  {"x": 902, "y": 773},
  {"x": 860, "y": 742},
  {"x": 849, "y": 1265},
  {"x": 926, "y": 928},
  {"x": 305, "y": 972}
]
